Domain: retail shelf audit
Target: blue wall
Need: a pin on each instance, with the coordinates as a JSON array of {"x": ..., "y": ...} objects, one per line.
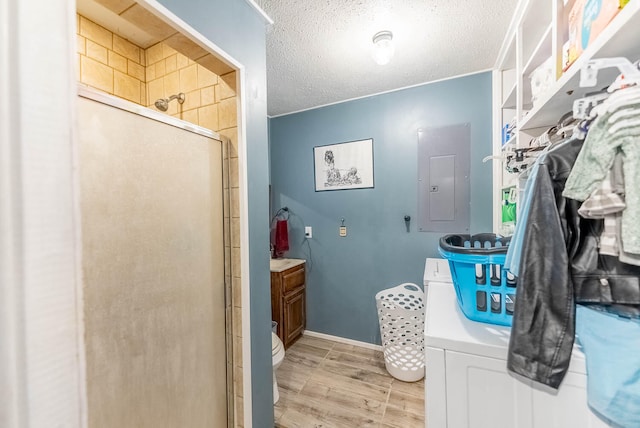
[
  {"x": 238, "y": 29},
  {"x": 378, "y": 252}
]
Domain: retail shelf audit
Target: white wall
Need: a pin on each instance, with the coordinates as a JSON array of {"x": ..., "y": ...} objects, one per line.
[{"x": 41, "y": 371}]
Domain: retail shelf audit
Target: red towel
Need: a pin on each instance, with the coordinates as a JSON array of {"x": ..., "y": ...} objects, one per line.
[{"x": 282, "y": 238}]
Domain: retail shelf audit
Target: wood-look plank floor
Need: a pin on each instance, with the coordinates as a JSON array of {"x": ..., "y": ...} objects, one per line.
[{"x": 326, "y": 384}]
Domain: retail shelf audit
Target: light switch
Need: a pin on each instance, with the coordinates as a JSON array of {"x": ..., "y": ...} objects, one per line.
[{"x": 308, "y": 232}]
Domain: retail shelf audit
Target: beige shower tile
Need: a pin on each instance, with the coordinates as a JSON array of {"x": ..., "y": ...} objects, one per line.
[
  {"x": 161, "y": 68},
  {"x": 181, "y": 61},
  {"x": 237, "y": 350},
  {"x": 150, "y": 73},
  {"x": 171, "y": 63},
  {"x": 232, "y": 135},
  {"x": 167, "y": 51},
  {"x": 206, "y": 77},
  {"x": 96, "y": 74},
  {"x": 207, "y": 95},
  {"x": 235, "y": 232},
  {"x": 126, "y": 48},
  {"x": 208, "y": 116},
  {"x": 191, "y": 100},
  {"x": 155, "y": 90},
  {"x": 235, "y": 202},
  {"x": 172, "y": 84},
  {"x": 189, "y": 78},
  {"x": 226, "y": 206},
  {"x": 238, "y": 405},
  {"x": 227, "y": 113},
  {"x": 190, "y": 116},
  {"x": 135, "y": 70},
  {"x": 97, "y": 52},
  {"x": 235, "y": 259},
  {"x": 185, "y": 46},
  {"x": 143, "y": 94},
  {"x": 226, "y": 86},
  {"x": 237, "y": 320},
  {"x": 96, "y": 33},
  {"x": 236, "y": 286},
  {"x": 214, "y": 64},
  {"x": 81, "y": 45},
  {"x": 154, "y": 54},
  {"x": 152, "y": 25},
  {"x": 236, "y": 282},
  {"x": 233, "y": 173},
  {"x": 126, "y": 87},
  {"x": 118, "y": 62},
  {"x": 117, "y": 6},
  {"x": 237, "y": 378}
]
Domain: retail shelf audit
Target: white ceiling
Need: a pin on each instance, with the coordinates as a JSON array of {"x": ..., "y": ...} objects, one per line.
[{"x": 319, "y": 51}]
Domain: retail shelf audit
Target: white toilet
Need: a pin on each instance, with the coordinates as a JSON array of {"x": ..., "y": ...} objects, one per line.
[{"x": 277, "y": 355}]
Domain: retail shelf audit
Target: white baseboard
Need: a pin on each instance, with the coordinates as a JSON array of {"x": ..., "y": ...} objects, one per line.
[{"x": 343, "y": 340}]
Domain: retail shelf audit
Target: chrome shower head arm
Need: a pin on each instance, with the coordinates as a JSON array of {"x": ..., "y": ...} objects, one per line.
[{"x": 181, "y": 97}]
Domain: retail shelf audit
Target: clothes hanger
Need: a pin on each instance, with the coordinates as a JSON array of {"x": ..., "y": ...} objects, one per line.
[{"x": 623, "y": 91}]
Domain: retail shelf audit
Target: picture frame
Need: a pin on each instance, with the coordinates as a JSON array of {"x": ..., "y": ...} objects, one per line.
[{"x": 344, "y": 166}]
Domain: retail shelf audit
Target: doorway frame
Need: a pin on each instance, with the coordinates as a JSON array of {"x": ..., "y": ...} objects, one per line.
[{"x": 42, "y": 367}]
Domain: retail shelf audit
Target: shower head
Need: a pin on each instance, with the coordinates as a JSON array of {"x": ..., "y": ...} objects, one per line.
[{"x": 162, "y": 104}]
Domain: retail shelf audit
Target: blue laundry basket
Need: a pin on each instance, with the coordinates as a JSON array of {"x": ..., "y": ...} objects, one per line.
[{"x": 486, "y": 291}]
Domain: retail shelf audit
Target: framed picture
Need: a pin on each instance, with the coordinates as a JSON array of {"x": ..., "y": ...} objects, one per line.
[{"x": 344, "y": 166}]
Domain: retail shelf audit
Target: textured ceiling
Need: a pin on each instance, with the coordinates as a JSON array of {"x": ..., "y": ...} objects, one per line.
[{"x": 319, "y": 51}]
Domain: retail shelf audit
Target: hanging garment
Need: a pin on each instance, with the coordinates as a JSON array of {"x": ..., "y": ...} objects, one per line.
[
  {"x": 596, "y": 159},
  {"x": 611, "y": 345},
  {"x": 560, "y": 266},
  {"x": 605, "y": 203},
  {"x": 281, "y": 243},
  {"x": 514, "y": 252}
]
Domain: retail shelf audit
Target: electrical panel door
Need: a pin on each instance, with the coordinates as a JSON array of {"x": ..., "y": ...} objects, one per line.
[{"x": 443, "y": 179}]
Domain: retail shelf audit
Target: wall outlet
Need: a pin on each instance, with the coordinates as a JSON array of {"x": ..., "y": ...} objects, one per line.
[
  {"x": 343, "y": 231},
  {"x": 308, "y": 232}
]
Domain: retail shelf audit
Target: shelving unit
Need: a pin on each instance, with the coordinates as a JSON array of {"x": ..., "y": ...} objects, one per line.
[{"x": 538, "y": 31}]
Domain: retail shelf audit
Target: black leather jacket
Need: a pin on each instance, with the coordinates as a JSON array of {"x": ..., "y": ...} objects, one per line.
[{"x": 561, "y": 266}]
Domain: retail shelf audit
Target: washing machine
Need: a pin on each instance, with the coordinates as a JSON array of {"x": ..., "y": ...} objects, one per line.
[{"x": 436, "y": 270}]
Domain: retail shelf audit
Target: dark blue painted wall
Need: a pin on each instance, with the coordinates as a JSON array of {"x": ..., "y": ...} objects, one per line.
[
  {"x": 378, "y": 252},
  {"x": 238, "y": 29}
]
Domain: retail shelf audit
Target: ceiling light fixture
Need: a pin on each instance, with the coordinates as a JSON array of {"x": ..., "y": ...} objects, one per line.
[{"x": 383, "y": 47}]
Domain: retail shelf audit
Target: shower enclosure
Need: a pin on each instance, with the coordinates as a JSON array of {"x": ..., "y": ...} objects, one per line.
[{"x": 153, "y": 268}]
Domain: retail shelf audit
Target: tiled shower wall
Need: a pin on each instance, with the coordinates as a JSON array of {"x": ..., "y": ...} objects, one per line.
[
  {"x": 114, "y": 65},
  {"x": 110, "y": 63}
]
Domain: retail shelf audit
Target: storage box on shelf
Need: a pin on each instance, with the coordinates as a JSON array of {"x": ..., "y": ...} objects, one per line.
[{"x": 586, "y": 20}]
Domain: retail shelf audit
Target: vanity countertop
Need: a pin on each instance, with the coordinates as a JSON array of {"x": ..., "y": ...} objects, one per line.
[{"x": 279, "y": 265}]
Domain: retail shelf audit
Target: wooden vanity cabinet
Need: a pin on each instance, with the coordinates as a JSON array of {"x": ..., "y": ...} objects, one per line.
[{"x": 288, "y": 303}]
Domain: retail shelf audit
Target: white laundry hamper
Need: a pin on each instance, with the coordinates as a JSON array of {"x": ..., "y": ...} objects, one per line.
[{"x": 401, "y": 317}]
